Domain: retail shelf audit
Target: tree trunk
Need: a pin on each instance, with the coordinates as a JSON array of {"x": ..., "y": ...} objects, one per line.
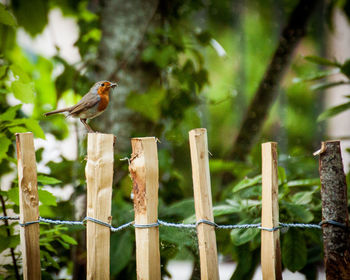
[
  {"x": 336, "y": 239},
  {"x": 123, "y": 24},
  {"x": 267, "y": 92}
]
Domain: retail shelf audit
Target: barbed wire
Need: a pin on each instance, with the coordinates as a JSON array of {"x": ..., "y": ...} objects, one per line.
[{"x": 175, "y": 225}]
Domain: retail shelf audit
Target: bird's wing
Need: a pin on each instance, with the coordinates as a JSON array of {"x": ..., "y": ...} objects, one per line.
[{"x": 88, "y": 101}]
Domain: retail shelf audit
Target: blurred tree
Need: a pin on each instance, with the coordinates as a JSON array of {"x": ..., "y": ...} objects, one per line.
[
  {"x": 123, "y": 38},
  {"x": 267, "y": 91}
]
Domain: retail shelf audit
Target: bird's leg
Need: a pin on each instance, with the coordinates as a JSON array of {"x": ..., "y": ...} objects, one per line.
[{"x": 86, "y": 125}]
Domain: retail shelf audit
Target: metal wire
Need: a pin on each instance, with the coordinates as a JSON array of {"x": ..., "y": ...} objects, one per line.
[{"x": 175, "y": 225}]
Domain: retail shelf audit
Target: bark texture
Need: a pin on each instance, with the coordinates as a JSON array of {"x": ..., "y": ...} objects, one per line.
[
  {"x": 123, "y": 25},
  {"x": 334, "y": 207},
  {"x": 267, "y": 91}
]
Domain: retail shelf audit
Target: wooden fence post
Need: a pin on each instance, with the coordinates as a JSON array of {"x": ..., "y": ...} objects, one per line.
[
  {"x": 270, "y": 240},
  {"x": 28, "y": 205},
  {"x": 203, "y": 203},
  {"x": 144, "y": 173},
  {"x": 336, "y": 239},
  {"x": 99, "y": 177}
]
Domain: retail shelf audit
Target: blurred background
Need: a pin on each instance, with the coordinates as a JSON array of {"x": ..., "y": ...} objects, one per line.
[{"x": 249, "y": 71}]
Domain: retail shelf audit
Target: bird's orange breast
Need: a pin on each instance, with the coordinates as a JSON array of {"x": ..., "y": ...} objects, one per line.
[{"x": 103, "y": 92}]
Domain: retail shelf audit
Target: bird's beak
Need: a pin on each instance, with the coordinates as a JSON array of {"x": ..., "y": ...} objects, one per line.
[{"x": 113, "y": 85}]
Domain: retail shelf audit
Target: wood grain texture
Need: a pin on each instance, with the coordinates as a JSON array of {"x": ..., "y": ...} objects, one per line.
[
  {"x": 336, "y": 240},
  {"x": 144, "y": 173},
  {"x": 99, "y": 177},
  {"x": 270, "y": 241},
  {"x": 28, "y": 205},
  {"x": 203, "y": 203}
]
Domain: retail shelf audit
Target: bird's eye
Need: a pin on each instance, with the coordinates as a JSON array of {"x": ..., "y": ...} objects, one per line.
[{"x": 103, "y": 84}]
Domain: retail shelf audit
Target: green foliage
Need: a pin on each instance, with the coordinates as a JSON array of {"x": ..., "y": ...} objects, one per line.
[
  {"x": 322, "y": 61},
  {"x": 243, "y": 236},
  {"x": 47, "y": 180},
  {"x": 52, "y": 241},
  {"x": 294, "y": 251},
  {"x": 299, "y": 202},
  {"x": 333, "y": 111},
  {"x": 336, "y": 67},
  {"x": 153, "y": 98},
  {"x": 26, "y": 11},
  {"x": 121, "y": 250},
  {"x": 6, "y": 17}
]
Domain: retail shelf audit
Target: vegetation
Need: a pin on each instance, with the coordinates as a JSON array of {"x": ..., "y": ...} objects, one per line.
[{"x": 179, "y": 65}]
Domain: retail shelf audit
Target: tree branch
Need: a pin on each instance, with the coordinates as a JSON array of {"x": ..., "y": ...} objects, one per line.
[{"x": 267, "y": 92}]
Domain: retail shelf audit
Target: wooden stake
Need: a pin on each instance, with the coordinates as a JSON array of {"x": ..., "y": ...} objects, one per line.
[
  {"x": 144, "y": 173},
  {"x": 203, "y": 203},
  {"x": 336, "y": 239},
  {"x": 99, "y": 177},
  {"x": 270, "y": 240},
  {"x": 28, "y": 205}
]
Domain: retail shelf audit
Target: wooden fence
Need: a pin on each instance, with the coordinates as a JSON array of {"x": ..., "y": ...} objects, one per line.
[{"x": 143, "y": 168}]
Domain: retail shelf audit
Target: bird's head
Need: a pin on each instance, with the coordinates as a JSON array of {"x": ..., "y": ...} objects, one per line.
[{"x": 103, "y": 87}]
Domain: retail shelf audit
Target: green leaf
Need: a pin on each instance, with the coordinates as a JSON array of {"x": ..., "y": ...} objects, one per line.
[
  {"x": 316, "y": 76},
  {"x": 33, "y": 126},
  {"x": 32, "y": 15},
  {"x": 8, "y": 242},
  {"x": 23, "y": 91},
  {"x": 47, "y": 198},
  {"x": 48, "y": 247},
  {"x": 226, "y": 209},
  {"x": 322, "y": 61},
  {"x": 17, "y": 129},
  {"x": 70, "y": 240},
  {"x": 331, "y": 112},
  {"x": 15, "y": 122},
  {"x": 45, "y": 88},
  {"x": 282, "y": 176},
  {"x": 183, "y": 208},
  {"x": 242, "y": 236},
  {"x": 49, "y": 259},
  {"x": 14, "y": 241},
  {"x": 247, "y": 261},
  {"x": 121, "y": 250},
  {"x": 4, "y": 146},
  {"x": 4, "y": 244},
  {"x": 294, "y": 251},
  {"x": 13, "y": 195},
  {"x": 246, "y": 183},
  {"x": 304, "y": 182},
  {"x": 47, "y": 180},
  {"x": 191, "y": 219},
  {"x": 299, "y": 213},
  {"x": 10, "y": 113},
  {"x": 160, "y": 56},
  {"x": 326, "y": 85},
  {"x": 302, "y": 197},
  {"x": 3, "y": 70},
  {"x": 345, "y": 68},
  {"x": 235, "y": 167},
  {"x": 6, "y": 17},
  {"x": 147, "y": 104},
  {"x": 20, "y": 73}
]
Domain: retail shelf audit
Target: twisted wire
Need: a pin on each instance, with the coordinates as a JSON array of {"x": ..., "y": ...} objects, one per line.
[{"x": 176, "y": 225}]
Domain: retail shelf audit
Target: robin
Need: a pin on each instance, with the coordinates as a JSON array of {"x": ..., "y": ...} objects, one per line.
[{"x": 93, "y": 104}]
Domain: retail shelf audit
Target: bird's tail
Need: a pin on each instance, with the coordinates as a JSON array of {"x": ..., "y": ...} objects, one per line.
[{"x": 57, "y": 111}]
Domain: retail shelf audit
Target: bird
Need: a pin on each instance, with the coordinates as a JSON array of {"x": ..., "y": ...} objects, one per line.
[{"x": 92, "y": 104}]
